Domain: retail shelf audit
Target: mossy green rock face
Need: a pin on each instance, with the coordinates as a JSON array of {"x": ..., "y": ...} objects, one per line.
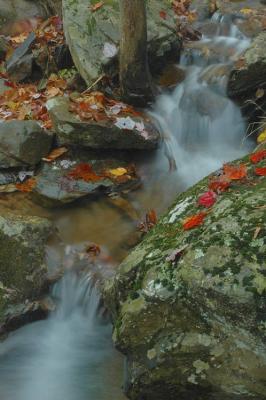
[
  {"x": 22, "y": 260},
  {"x": 195, "y": 327},
  {"x": 93, "y": 37}
]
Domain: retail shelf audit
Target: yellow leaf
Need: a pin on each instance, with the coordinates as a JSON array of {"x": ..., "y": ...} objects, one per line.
[
  {"x": 118, "y": 171},
  {"x": 246, "y": 11},
  {"x": 262, "y": 137}
]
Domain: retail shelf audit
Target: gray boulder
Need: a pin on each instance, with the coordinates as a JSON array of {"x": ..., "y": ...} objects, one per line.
[
  {"x": 23, "y": 268},
  {"x": 93, "y": 37},
  {"x": 189, "y": 305},
  {"x": 104, "y": 134},
  {"x": 23, "y": 143}
]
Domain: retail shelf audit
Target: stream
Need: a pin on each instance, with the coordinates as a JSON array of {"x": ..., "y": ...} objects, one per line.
[{"x": 70, "y": 355}]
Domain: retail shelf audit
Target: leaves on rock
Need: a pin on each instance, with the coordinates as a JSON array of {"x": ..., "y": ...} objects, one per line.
[
  {"x": 262, "y": 137},
  {"x": 219, "y": 184},
  {"x": 150, "y": 221},
  {"x": 97, "y": 6}
]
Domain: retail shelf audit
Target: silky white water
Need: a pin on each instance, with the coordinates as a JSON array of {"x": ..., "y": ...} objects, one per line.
[{"x": 70, "y": 355}]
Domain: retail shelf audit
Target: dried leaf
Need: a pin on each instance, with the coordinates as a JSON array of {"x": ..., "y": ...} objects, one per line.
[
  {"x": 194, "y": 221},
  {"x": 56, "y": 153},
  {"x": 85, "y": 172},
  {"x": 26, "y": 186},
  {"x": 256, "y": 233},
  {"x": 207, "y": 199},
  {"x": 258, "y": 156},
  {"x": 219, "y": 185},
  {"x": 97, "y": 6},
  {"x": 235, "y": 172},
  {"x": 163, "y": 14},
  {"x": 260, "y": 171}
]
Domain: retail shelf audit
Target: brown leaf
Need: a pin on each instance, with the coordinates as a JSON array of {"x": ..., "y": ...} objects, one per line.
[{"x": 56, "y": 153}]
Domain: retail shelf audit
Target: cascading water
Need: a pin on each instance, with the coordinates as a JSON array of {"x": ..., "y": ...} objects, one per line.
[{"x": 69, "y": 356}]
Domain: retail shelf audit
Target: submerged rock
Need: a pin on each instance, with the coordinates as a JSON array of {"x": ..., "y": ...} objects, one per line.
[
  {"x": 23, "y": 143},
  {"x": 93, "y": 37},
  {"x": 189, "y": 305},
  {"x": 22, "y": 263},
  {"x": 105, "y": 134}
]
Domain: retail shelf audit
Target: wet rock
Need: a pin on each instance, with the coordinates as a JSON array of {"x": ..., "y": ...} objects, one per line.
[
  {"x": 93, "y": 37},
  {"x": 189, "y": 325},
  {"x": 55, "y": 187},
  {"x": 22, "y": 261},
  {"x": 203, "y": 101},
  {"x": 171, "y": 76},
  {"x": 23, "y": 143},
  {"x": 249, "y": 76},
  {"x": 104, "y": 134}
]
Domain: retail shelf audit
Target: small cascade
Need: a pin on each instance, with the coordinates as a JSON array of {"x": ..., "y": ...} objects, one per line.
[{"x": 67, "y": 357}]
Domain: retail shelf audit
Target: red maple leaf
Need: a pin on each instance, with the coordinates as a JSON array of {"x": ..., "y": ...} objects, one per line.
[
  {"x": 85, "y": 172},
  {"x": 219, "y": 185},
  {"x": 207, "y": 199}
]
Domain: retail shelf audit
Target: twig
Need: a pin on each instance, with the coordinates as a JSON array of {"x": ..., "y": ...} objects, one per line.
[{"x": 94, "y": 83}]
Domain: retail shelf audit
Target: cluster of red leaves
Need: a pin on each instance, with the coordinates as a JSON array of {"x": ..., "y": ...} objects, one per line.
[
  {"x": 85, "y": 172},
  {"x": 220, "y": 184},
  {"x": 25, "y": 102},
  {"x": 96, "y": 106},
  {"x": 150, "y": 221}
]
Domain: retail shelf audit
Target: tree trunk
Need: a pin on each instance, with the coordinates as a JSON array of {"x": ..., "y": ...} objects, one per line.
[{"x": 135, "y": 79}]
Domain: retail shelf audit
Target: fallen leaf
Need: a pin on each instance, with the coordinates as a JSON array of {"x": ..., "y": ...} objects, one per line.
[
  {"x": 176, "y": 254},
  {"x": 262, "y": 137},
  {"x": 163, "y": 14},
  {"x": 235, "y": 172},
  {"x": 149, "y": 223},
  {"x": 97, "y": 6},
  {"x": 194, "y": 221},
  {"x": 258, "y": 156},
  {"x": 219, "y": 185},
  {"x": 256, "y": 233},
  {"x": 8, "y": 188},
  {"x": 246, "y": 11},
  {"x": 118, "y": 171},
  {"x": 26, "y": 186},
  {"x": 85, "y": 172},
  {"x": 260, "y": 93},
  {"x": 56, "y": 153},
  {"x": 260, "y": 171},
  {"x": 207, "y": 199}
]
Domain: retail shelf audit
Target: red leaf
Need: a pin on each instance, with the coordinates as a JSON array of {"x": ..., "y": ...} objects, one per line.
[
  {"x": 27, "y": 186},
  {"x": 10, "y": 84},
  {"x": 260, "y": 171},
  {"x": 194, "y": 221},
  {"x": 163, "y": 14},
  {"x": 258, "y": 156},
  {"x": 207, "y": 199},
  {"x": 235, "y": 172}
]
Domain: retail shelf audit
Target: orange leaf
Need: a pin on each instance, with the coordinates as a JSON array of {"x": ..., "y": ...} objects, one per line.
[
  {"x": 194, "y": 221},
  {"x": 163, "y": 14},
  {"x": 260, "y": 171},
  {"x": 207, "y": 199},
  {"x": 96, "y": 6},
  {"x": 56, "y": 153},
  {"x": 151, "y": 217},
  {"x": 235, "y": 172},
  {"x": 258, "y": 156},
  {"x": 85, "y": 172},
  {"x": 27, "y": 186},
  {"x": 219, "y": 185}
]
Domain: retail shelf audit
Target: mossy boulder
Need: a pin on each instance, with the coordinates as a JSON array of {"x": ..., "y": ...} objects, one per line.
[
  {"x": 22, "y": 261},
  {"x": 93, "y": 36},
  {"x": 193, "y": 325}
]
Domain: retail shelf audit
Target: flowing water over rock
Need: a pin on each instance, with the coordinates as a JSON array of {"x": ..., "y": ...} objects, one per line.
[{"x": 70, "y": 355}]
